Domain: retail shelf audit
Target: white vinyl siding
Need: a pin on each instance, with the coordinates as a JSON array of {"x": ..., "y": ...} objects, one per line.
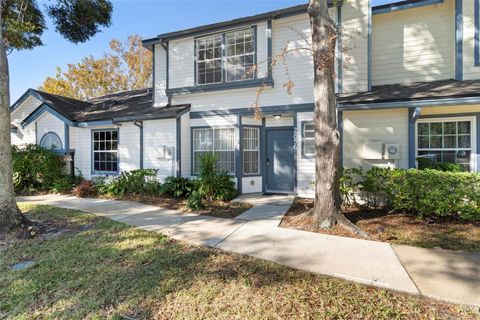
[
  {"x": 414, "y": 45},
  {"x": 251, "y": 151},
  {"x": 470, "y": 70},
  {"x": 305, "y": 165},
  {"x": 159, "y": 136},
  {"x": 185, "y": 145},
  {"x": 220, "y": 141},
  {"x": 355, "y": 44},
  {"x": 129, "y": 147},
  {"x": 160, "y": 78},
  {"x": 300, "y": 71},
  {"x": 49, "y": 123},
  {"x": 386, "y": 126}
]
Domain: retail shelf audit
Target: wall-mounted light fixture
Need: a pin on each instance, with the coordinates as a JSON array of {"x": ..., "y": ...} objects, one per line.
[{"x": 277, "y": 116}]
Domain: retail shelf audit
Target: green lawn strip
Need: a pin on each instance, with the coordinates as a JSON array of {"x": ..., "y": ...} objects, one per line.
[{"x": 112, "y": 270}]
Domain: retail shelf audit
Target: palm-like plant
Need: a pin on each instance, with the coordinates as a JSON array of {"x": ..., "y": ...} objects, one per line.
[{"x": 208, "y": 175}]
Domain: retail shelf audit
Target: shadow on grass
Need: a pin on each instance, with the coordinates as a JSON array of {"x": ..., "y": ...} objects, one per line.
[
  {"x": 83, "y": 274},
  {"x": 113, "y": 270}
]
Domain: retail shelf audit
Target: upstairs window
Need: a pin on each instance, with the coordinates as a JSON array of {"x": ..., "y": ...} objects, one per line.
[
  {"x": 240, "y": 55},
  {"x": 209, "y": 59},
  {"x": 225, "y": 57}
]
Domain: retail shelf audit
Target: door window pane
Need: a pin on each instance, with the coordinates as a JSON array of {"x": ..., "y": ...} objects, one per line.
[{"x": 308, "y": 139}]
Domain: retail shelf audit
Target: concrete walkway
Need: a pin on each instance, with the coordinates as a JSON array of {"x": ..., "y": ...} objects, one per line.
[{"x": 440, "y": 274}]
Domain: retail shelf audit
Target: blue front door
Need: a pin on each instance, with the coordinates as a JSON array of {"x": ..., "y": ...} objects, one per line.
[{"x": 279, "y": 160}]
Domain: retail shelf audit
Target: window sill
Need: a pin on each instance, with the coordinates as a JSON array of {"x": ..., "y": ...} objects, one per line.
[
  {"x": 222, "y": 86},
  {"x": 105, "y": 173}
]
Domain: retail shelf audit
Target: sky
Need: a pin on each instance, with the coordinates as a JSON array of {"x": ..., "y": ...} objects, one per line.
[{"x": 29, "y": 68}]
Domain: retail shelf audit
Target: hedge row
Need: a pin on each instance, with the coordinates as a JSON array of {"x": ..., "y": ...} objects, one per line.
[{"x": 425, "y": 192}]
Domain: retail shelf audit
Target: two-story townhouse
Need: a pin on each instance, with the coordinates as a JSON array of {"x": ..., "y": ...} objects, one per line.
[{"x": 406, "y": 83}]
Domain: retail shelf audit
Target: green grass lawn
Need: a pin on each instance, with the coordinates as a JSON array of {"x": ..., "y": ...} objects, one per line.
[{"x": 110, "y": 270}]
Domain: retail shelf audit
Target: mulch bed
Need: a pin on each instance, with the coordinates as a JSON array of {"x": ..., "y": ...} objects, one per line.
[
  {"x": 218, "y": 209},
  {"x": 397, "y": 228}
]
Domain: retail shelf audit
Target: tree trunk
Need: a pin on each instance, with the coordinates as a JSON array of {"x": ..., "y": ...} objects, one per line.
[
  {"x": 10, "y": 215},
  {"x": 327, "y": 137}
]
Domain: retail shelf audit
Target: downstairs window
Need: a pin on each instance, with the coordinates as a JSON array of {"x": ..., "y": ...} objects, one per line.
[
  {"x": 447, "y": 140},
  {"x": 105, "y": 151},
  {"x": 220, "y": 141}
]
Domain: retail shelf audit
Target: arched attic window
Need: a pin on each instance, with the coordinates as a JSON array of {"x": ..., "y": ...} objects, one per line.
[{"x": 51, "y": 140}]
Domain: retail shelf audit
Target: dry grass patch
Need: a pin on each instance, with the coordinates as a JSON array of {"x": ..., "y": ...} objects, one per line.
[{"x": 398, "y": 228}]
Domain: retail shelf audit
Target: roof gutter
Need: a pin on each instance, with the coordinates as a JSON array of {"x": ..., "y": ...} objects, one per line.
[
  {"x": 139, "y": 124},
  {"x": 277, "y": 14},
  {"x": 403, "y": 5},
  {"x": 410, "y": 103}
]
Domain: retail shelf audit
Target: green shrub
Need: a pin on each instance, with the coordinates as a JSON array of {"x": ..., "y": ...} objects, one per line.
[
  {"x": 35, "y": 168},
  {"x": 214, "y": 185},
  {"x": 195, "y": 201},
  {"x": 64, "y": 184},
  {"x": 208, "y": 175},
  {"x": 426, "y": 163},
  {"x": 178, "y": 187},
  {"x": 424, "y": 192},
  {"x": 224, "y": 187},
  {"x": 140, "y": 181},
  {"x": 349, "y": 185}
]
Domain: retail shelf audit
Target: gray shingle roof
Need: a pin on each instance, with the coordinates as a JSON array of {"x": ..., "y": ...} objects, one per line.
[
  {"x": 416, "y": 91},
  {"x": 121, "y": 106}
]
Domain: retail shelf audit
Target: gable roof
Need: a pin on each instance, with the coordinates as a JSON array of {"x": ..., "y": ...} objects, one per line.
[
  {"x": 117, "y": 107},
  {"x": 414, "y": 92},
  {"x": 275, "y": 14}
]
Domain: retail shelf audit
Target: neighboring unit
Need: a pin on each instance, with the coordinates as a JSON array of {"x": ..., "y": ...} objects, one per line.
[{"x": 407, "y": 84}]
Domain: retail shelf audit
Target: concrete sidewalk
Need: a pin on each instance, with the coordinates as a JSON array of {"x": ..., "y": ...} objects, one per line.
[{"x": 440, "y": 274}]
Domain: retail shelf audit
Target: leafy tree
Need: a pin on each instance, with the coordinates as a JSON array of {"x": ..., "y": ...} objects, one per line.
[
  {"x": 127, "y": 67},
  {"x": 22, "y": 25}
]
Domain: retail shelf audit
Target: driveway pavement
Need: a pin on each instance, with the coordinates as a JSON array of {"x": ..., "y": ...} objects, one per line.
[{"x": 440, "y": 274}]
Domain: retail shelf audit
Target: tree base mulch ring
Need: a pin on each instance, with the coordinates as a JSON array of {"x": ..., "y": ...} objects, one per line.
[
  {"x": 41, "y": 230},
  {"x": 397, "y": 228}
]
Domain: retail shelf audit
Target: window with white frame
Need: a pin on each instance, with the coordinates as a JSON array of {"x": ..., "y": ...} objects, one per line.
[
  {"x": 308, "y": 134},
  {"x": 232, "y": 53},
  {"x": 446, "y": 140},
  {"x": 251, "y": 151},
  {"x": 209, "y": 59},
  {"x": 240, "y": 55},
  {"x": 105, "y": 151},
  {"x": 220, "y": 141}
]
